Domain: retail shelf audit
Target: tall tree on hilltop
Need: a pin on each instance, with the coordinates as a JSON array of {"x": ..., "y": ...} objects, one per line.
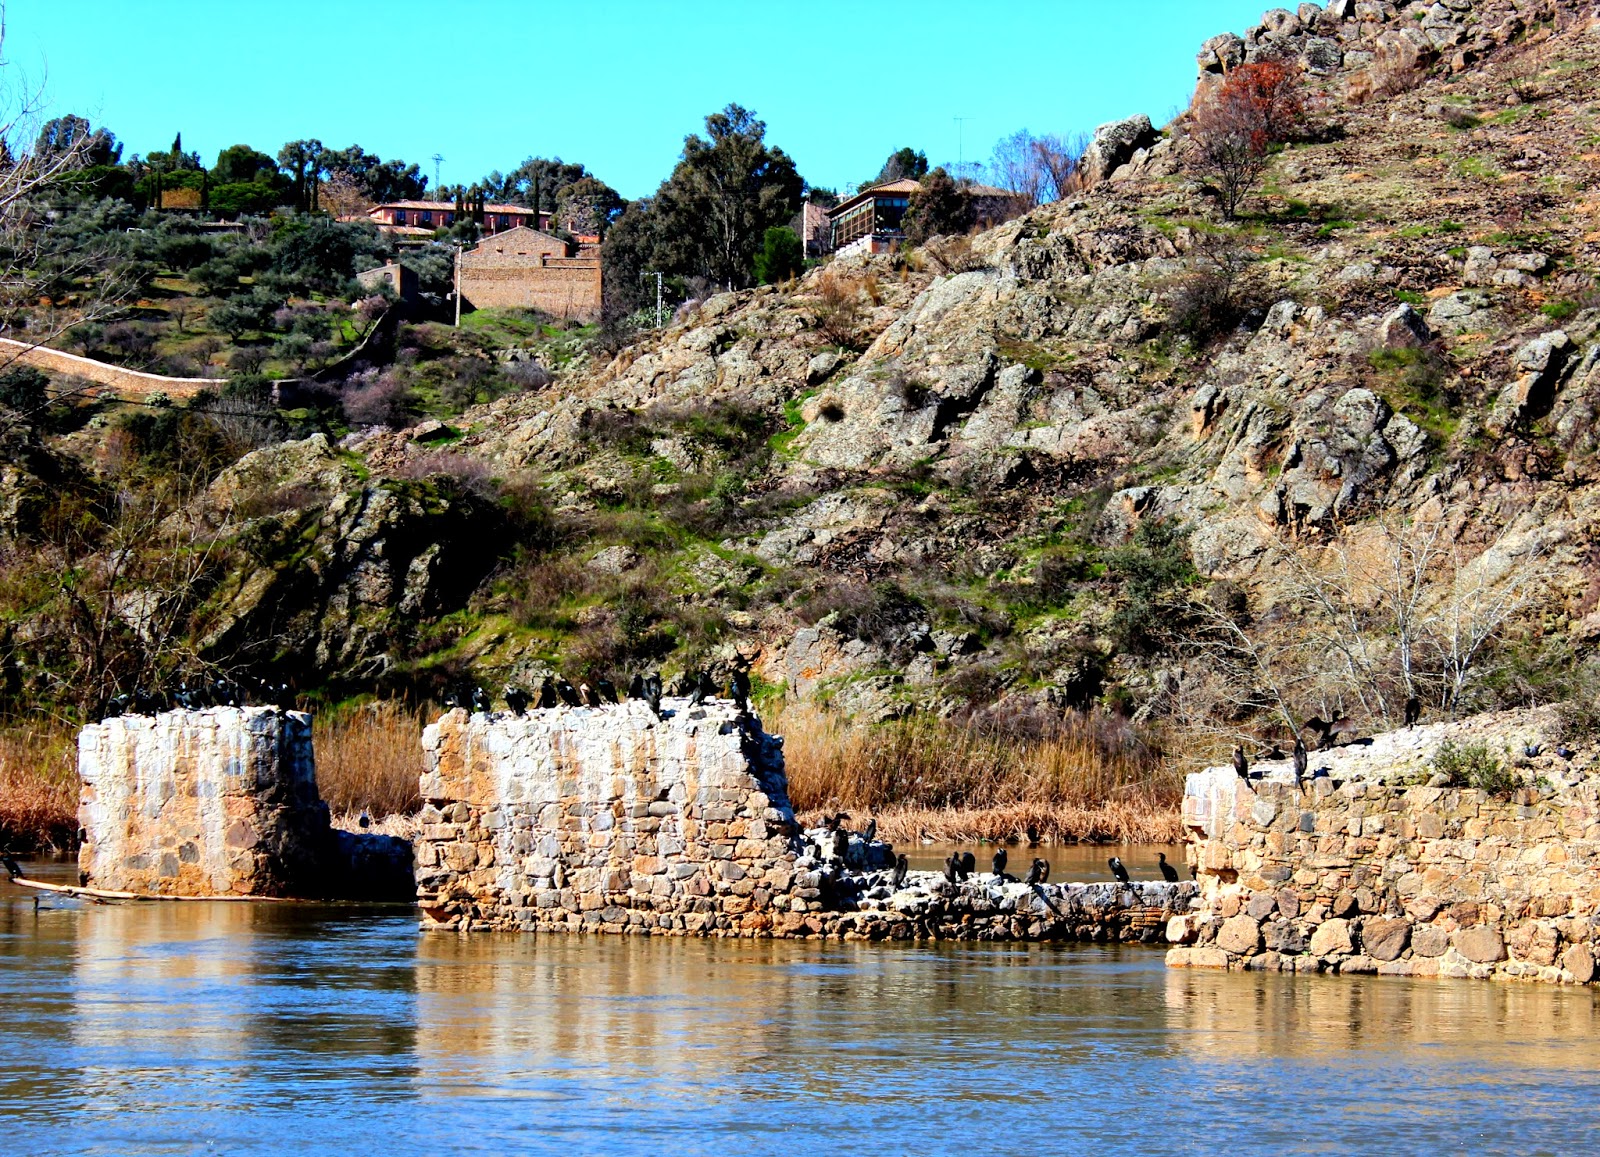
[
  {"x": 939, "y": 207},
  {"x": 68, "y": 133},
  {"x": 303, "y": 159},
  {"x": 903, "y": 163}
]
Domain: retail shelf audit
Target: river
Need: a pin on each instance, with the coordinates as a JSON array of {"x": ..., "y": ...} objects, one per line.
[{"x": 267, "y": 1029}]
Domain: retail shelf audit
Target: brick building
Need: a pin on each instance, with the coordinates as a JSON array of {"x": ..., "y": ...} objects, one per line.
[
  {"x": 524, "y": 268},
  {"x": 419, "y": 218}
]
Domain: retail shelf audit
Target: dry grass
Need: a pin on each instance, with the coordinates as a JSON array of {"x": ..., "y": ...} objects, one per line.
[
  {"x": 38, "y": 786},
  {"x": 1089, "y": 779},
  {"x": 370, "y": 757}
]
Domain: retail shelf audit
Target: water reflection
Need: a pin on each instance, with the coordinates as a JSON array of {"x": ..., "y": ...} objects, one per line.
[{"x": 264, "y": 1029}]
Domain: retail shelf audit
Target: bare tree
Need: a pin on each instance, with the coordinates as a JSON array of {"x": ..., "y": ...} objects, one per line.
[
  {"x": 1057, "y": 157},
  {"x": 1016, "y": 165},
  {"x": 1231, "y": 131}
]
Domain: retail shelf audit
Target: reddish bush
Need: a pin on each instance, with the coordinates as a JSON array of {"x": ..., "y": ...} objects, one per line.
[{"x": 1233, "y": 128}]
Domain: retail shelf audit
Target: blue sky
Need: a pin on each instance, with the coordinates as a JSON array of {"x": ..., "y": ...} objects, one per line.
[{"x": 614, "y": 85}]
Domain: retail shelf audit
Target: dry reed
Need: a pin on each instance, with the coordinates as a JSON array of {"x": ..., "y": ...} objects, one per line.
[
  {"x": 370, "y": 758},
  {"x": 1088, "y": 780},
  {"x": 38, "y": 786}
]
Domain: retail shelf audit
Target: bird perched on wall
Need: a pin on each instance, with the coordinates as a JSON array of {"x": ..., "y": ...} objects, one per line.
[
  {"x": 547, "y": 693},
  {"x": 114, "y": 707},
  {"x": 1240, "y": 763},
  {"x": 739, "y": 689},
  {"x": 1299, "y": 759},
  {"x": 706, "y": 685},
  {"x": 1119, "y": 871},
  {"x": 1168, "y": 872},
  {"x": 697, "y": 693},
  {"x": 1413, "y": 710},
  {"x": 363, "y": 820},
  {"x": 516, "y": 699},
  {"x": 841, "y": 843},
  {"x": 144, "y": 703},
  {"x": 1329, "y": 730},
  {"x": 590, "y": 697},
  {"x": 1038, "y": 871},
  {"x": 871, "y": 832},
  {"x": 13, "y": 869},
  {"x": 185, "y": 698},
  {"x": 481, "y": 701},
  {"x": 901, "y": 867},
  {"x": 568, "y": 693},
  {"x": 998, "y": 864},
  {"x": 652, "y": 684},
  {"x": 969, "y": 864},
  {"x": 833, "y": 822},
  {"x": 952, "y": 868},
  {"x": 606, "y": 689}
]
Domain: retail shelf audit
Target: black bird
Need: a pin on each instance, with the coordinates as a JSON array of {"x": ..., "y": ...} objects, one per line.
[
  {"x": 969, "y": 864},
  {"x": 13, "y": 869},
  {"x": 364, "y": 820},
  {"x": 453, "y": 698},
  {"x": 113, "y": 708},
  {"x": 1329, "y": 730},
  {"x": 1168, "y": 872},
  {"x": 706, "y": 687},
  {"x": 1038, "y": 872},
  {"x": 739, "y": 689},
  {"x": 183, "y": 697},
  {"x": 841, "y": 843},
  {"x": 952, "y": 868},
  {"x": 901, "y": 867},
  {"x": 872, "y": 830},
  {"x": 1299, "y": 758},
  {"x": 697, "y": 693},
  {"x": 590, "y": 697},
  {"x": 568, "y": 693},
  {"x": 655, "y": 699},
  {"x": 652, "y": 685},
  {"x": 144, "y": 703},
  {"x": 1413, "y": 710},
  {"x": 547, "y": 694},
  {"x": 833, "y": 822},
  {"x": 1033, "y": 836},
  {"x": 516, "y": 699},
  {"x": 1565, "y": 752},
  {"x": 607, "y": 690},
  {"x": 1117, "y": 870},
  {"x": 733, "y": 696},
  {"x": 636, "y": 686},
  {"x": 998, "y": 864},
  {"x": 1240, "y": 763},
  {"x": 481, "y": 701},
  {"x": 1532, "y": 750}
]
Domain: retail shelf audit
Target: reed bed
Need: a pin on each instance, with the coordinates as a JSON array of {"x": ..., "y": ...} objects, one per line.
[
  {"x": 369, "y": 758},
  {"x": 1089, "y": 778},
  {"x": 38, "y": 786}
]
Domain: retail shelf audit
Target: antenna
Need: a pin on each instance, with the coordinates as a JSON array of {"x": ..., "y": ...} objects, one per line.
[
  {"x": 436, "y": 161},
  {"x": 961, "y": 132}
]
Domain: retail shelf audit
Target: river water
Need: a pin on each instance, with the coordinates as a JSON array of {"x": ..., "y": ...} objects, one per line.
[{"x": 267, "y": 1029}]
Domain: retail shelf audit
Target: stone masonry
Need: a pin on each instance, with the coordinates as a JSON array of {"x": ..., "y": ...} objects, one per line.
[
  {"x": 610, "y": 819},
  {"x": 1373, "y": 865},
  {"x": 196, "y": 803}
]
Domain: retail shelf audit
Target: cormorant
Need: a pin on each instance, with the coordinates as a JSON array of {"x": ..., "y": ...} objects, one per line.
[
  {"x": 590, "y": 697},
  {"x": 901, "y": 867},
  {"x": 872, "y": 830},
  {"x": 1327, "y": 730},
  {"x": 998, "y": 864},
  {"x": 568, "y": 693},
  {"x": 952, "y": 868},
  {"x": 607, "y": 690},
  {"x": 705, "y": 686},
  {"x": 739, "y": 689},
  {"x": 833, "y": 822},
  {"x": 636, "y": 686},
  {"x": 841, "y": 843},
  {"x": 453, "y": 698},
  {"x": 516, "y": 699},
  {"x": 113, "y": 708},
  {"x": 547, "y": 694},
  {"x": 13, "y": 869},
  {"x": 1033, "y": 836},
  {"x": 1117, "y": 870},
  {"x": 1532, "y": 750},
  {"x": 1413, "y": 710},
  {"x": 1240, "y": 763},
  {"x": 1038, "y": 871},
  {"x": 144, "y": 703},
  {"x": 1168, "y": 872},
  {"x": 697, "y": 693},
  {"x": 1299, "y": 758},
  {"x": 364, "y": 820},
  {"x": 969, "y": 864},
  {"x": 481, "y": 701}
]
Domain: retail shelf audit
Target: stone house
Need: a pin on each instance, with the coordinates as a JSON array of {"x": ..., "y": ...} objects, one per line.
[
  {"x": 524, "y": 268},
  {"x": 420, "y": 218}
]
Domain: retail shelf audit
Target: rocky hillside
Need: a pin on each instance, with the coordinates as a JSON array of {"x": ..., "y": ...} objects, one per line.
[{"x": 999, "y": 466}]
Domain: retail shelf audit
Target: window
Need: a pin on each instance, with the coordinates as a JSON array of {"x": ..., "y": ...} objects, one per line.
[
  {"x": 425, "y": 217},
  {"x": 399, "y": 216}
]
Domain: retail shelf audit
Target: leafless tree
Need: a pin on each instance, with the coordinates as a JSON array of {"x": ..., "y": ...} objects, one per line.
[
  {"x": 1016, "y": 165},
  {"x": 1057, "y": 157}
]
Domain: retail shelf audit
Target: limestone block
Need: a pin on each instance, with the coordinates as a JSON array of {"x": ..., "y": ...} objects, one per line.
[{"x": 1480, "y": 944}]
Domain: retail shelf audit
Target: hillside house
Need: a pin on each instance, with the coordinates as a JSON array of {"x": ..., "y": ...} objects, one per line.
[
  {"x": 869, "y": 222},
  {"x": 420, "y": 218},
  {"x": 525, "y": 268}
]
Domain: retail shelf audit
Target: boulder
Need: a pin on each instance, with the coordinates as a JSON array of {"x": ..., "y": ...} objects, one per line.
[
  {"x": 1403, "y": 327},
  {"x": 1385, "y": 939},
  {"x": 1579, "y": 962},
  {"x": 1240, "y": 935},
  {"x": 1480, "y": 944},
  {"x": 1114, "y": 144},
  {"x": 1332, "y": 938}
]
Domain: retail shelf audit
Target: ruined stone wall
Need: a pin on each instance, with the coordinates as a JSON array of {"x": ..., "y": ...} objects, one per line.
[
  {"x": 195, "y": 803},
  {"x": 613, "y": 820},
  {"x": 561, "y": 287},
  {"x": 1368, "y": 869},
  {"x": 127, "y": 383}
]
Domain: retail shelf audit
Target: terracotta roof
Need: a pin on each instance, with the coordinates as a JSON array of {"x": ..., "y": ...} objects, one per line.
[
  {"x": 990, "y": 191},
  {"x": 904, "y": 185}
]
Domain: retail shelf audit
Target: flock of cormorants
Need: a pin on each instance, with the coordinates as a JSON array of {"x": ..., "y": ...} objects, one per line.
[
  {"x": 556, "y": 691},
  {"x": 199, "y": 695}
]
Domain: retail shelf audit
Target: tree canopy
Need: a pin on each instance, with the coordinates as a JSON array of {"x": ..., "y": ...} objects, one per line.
[{"x": 902, "y": 163}]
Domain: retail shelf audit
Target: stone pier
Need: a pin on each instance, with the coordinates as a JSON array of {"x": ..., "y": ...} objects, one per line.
[
  {"x": 610, "y": 819},
  {"x": 219, "y": 802},
  {"x": 1374, "y": 866}
]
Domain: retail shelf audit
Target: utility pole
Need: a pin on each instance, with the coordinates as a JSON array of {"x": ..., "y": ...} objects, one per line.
[
  {"x": 458, "y": 285},
  {"x": 657, "y": 276},
  {"x": 437, "y": 160},
  {"x": 961, "y": 132}
]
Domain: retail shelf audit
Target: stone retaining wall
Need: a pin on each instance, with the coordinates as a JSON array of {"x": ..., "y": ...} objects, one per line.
[
  {"x": 127, "y": 383},
  {"x": 197, "y": 803},
  {"x": 1368, "y": 869},
  {"x": 612, "y": 820}
]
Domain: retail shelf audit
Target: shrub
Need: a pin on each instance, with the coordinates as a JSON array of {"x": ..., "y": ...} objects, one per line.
[
  {"x": 838, "y": 312},
  {"x": 24, "y": 389},
  {"x": 939, "y": 207},
  {"x": 1232, "y": 129},
  {"x": 780, "y": 256},
  {"x": 1473, "y": 765},
  {"x": 387, "y": 401}
]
